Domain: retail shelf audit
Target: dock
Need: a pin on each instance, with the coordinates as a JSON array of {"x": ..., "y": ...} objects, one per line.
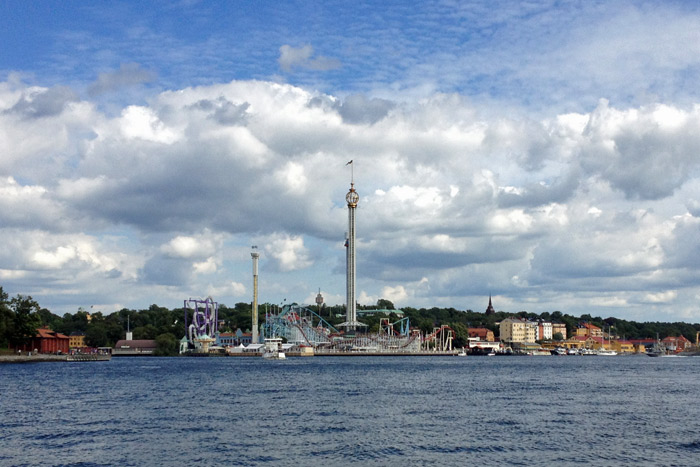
[{"x": 41, "y": 358}]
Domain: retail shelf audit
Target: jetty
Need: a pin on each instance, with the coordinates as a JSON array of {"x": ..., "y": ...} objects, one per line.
[{"x": 40, "y": 358}]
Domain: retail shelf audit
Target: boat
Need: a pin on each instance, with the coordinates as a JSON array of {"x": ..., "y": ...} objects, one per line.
[
  {"x": 657, "y": 350},
  {"x": 603, "y": 351},
  {"x": 462, "y": 353},
  {"x": 273, "y": 349}
]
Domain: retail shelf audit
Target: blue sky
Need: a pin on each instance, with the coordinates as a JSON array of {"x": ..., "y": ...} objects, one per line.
[{"x": 543, "y": 152}]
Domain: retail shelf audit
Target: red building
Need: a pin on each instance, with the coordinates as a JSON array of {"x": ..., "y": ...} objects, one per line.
[
  {"x": 676, "y": 344},
  {"x": 46, "y": 341}
]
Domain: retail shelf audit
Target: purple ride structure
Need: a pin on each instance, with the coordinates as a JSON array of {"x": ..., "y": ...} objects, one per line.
[{"x": 201, "y": 332}]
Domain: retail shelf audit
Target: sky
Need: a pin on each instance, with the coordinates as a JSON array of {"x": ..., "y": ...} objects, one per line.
[{"x": 546, "y": 153}]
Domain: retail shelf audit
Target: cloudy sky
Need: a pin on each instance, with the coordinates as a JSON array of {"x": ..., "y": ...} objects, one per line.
[{"x": 544, "y": 152}]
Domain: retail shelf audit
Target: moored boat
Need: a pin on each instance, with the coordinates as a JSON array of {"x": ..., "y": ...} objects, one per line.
[{"x": 273, "y": 349}]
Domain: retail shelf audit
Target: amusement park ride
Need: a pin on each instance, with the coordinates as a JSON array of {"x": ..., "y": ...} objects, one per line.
[
  {"x": 202, "y": 330},
  {"x": 302, "y": 327}
]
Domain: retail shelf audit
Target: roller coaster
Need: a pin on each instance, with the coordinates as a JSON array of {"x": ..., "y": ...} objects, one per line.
[{"x": 303, "y": 327}]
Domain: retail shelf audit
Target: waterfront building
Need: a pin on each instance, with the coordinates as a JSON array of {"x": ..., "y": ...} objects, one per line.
[
  {"x": 676, "y": 344},
  {"x": 559, "y": 328},
  {"x": 225, "y": 339},
  {"x": 544, "y": 330},
  {"x": 134, "y": 347},
  {"x": 588, "y": 329},
  {"x": 245, "y": 338},
  {"x": 481, "y": 333},
  {"x": 531, "y": 331},
  {"x": 515, "y": 329},
  {"x": 623, "y": 346},
  {"x": 46, "y": 341},
  {"x": 76, "y": 340}
]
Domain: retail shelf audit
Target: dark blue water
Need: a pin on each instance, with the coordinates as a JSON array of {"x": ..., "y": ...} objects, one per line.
[{"x": 352, "y": 410}]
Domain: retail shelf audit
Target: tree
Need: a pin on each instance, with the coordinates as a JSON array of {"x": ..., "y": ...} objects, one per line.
[
  {"x": 166, "y": 345},
  {"x": 148, "y": 331},
  {"x": 384, "y": 304},
  {"x": 5, "y": 319},
  {"x": 25, "y": 319},
  {"x": 96, "y": 335},
  {"x": 558, "y": 336}
]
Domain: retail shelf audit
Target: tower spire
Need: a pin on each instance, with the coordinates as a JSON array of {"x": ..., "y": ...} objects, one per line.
[{"x": 490, "y": 310}]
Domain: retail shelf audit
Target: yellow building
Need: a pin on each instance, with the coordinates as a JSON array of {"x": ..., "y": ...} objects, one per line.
[
  {"x": 77, "y": 340},
  {"x": 517, "y": 330},
  {"x": 623, "y": 346},
  {"x": 559, "y": 328},
  {"x": 589, "y": 330}
]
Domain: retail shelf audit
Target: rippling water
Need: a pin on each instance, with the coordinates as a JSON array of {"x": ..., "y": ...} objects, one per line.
[{"x": 352, "y": 410}]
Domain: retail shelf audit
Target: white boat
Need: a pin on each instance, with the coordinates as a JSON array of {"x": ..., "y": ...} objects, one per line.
[
  {"x": 273, "y": 349},
  {"x": 606, "y": 352},
  {"x": 462, "y": 353}
]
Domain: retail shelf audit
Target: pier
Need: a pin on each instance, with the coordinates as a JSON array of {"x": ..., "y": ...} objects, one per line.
[{"x": 39, "y": 358}]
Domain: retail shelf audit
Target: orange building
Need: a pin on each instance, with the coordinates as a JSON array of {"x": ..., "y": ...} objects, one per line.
[{"x": 484, "y": 334}]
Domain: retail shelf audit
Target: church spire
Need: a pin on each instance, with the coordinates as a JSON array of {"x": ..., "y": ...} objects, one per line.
[{"x": 490, "y": 310}]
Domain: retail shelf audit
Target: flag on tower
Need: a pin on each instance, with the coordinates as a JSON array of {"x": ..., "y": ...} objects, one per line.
[{"x": 349, "y": 162}]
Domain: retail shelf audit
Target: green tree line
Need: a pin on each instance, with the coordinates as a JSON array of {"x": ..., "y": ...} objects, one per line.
[{"x": 20, "y": 316}]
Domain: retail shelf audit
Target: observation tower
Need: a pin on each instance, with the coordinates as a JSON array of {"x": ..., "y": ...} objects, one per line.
[
  {"x": 255, "y": 255},
  {"x": 351, "y": 308}
]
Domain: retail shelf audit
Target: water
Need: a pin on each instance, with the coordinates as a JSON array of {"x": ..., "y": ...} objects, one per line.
[{"x": 352, "y": 411}]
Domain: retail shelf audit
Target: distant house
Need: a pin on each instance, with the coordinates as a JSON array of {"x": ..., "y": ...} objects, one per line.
[
  {"x": 46, "y": 341},
  {"x": 559, "y": 328},
  {"x": 676, "y": 344},
  {"x": 77, "y": 340},
  {"x": 483, "y": 334},
  {"x": 624, "y": 346},
  {"x": 134, "y": 347},
  {"x": 588, "y": 329}
]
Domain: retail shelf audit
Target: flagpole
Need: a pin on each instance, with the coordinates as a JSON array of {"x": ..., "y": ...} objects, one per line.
[{"x": 352, "y": 172}]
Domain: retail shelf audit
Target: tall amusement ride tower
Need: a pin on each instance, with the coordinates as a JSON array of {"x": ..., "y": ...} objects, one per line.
[
  {"x": 351, "y": 308},
  {"x": 255, "y": 255}
]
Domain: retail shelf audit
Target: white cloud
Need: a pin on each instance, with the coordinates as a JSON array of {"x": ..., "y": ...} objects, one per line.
[
  {"x": 454, "y": 202},
  {"x": 199, "y": 246},
  {"x": 143, "y": 123},
  {"x": 287, "y": 252},
  {"x": 661, "y": 297},
  {"x": 206, "y": 267}
]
